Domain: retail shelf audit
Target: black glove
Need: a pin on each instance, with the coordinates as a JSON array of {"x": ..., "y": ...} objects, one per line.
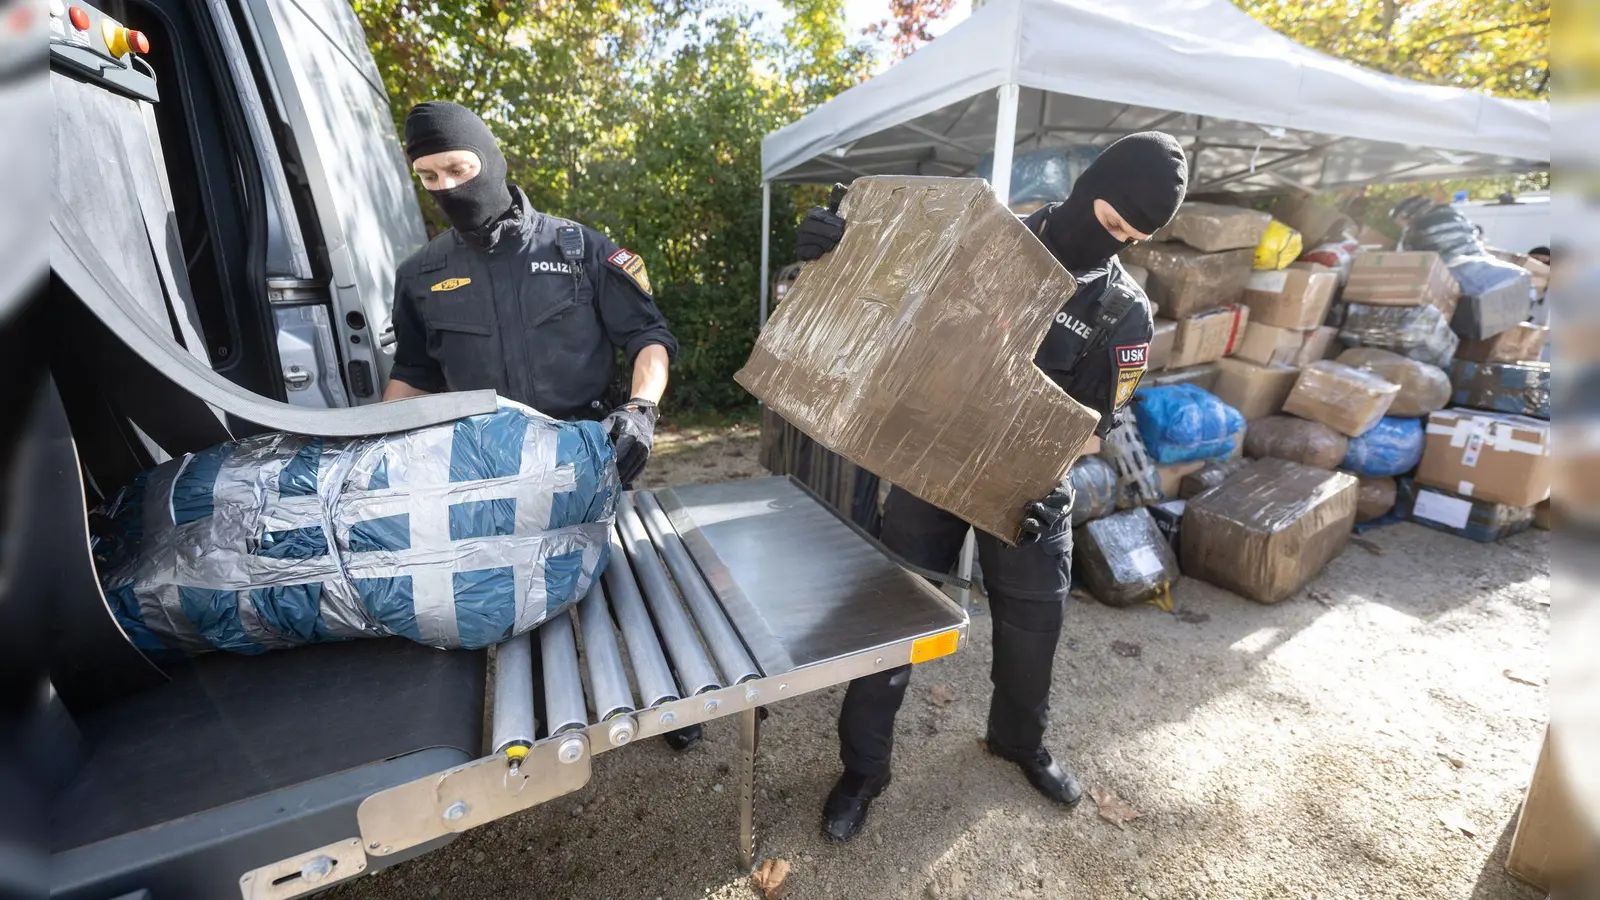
[
  {"x": 1041, "y": 516},
  {"x": 632, "y": 427},
  {"x": 820, "y": 231}
]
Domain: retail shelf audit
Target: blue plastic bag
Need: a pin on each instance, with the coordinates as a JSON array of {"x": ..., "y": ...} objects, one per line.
[
  {"x": 1392, "y": 447},
  {"x": 1182, "y": 423}
]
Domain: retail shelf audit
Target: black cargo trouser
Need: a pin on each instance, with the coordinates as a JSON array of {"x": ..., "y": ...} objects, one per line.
[{"x": 1027, "y": 587}]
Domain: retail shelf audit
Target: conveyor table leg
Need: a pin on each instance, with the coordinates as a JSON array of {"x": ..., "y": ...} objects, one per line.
[{"x": 749, "y": 736}]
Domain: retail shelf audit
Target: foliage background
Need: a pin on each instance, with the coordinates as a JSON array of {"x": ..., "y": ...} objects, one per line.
[{"x": 644, "y": 118}]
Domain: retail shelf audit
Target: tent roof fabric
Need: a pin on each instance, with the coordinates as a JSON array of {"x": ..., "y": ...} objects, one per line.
[{"x": 1257, "y": 110}]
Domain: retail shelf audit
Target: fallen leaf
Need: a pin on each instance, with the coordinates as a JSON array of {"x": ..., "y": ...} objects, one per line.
[
  {"x": 1126, "y": 650},
  {"x": 1367, "y": 545},
  {"x": 771, "y": 877},
  {"x": 1520, "y": 678},
  {"x": 1113, "y": 809},
  {"x": 1453, "y": 760},
  {"x": 942, "y": 695},
  {"x": 1192, "y": 617},
  {"x": 1456, "y": 820}
]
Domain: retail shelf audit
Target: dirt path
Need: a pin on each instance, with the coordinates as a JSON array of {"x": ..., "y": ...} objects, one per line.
[{"x": 1307, "y": 749}]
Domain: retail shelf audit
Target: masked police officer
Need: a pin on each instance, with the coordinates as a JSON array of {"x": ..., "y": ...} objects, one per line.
[
  {"x": 1096, "y": 351},
  {"x": 521, "y": 302}
]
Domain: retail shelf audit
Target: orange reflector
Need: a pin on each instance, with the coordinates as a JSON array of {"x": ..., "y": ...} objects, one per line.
[{"x": 934, "y": 646}]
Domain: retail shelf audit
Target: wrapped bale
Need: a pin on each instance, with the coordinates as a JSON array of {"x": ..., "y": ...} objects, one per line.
[
  {"x": 1392, "y": 447},
  {"x": 1280, "y": 245},
  {"x": 1183, "y": 423},
  {"x": 1298, "y": 440},
  {"x": 1474, "y": 519},
  {"x": 1375, "y": 499},
  {"x": 1320, "y": 343},
  {"x": 1202, "y": 376},
  {"x": 1521, "y": 388},
  {"x": 1185, "y": 281},
  {"x": 1521, "y": 342},
  {"x": 1423, "y": 387},
  {"x": 1269, "y": 345},
  {"x": 1348, "y": 400},
  {"x": 1297, "y": 297},
  {"x": 1418, "y": 332},
  {"x": 456, "y": 536},
  {"x": 1402, "y": 279},
  {"x": 1255, "y": 391},
  {"x": 1211, "y": 475},
  {"x": 1213, "y": 227},
  {"x": 1137, "y": 481},
  {"x": 1209, "y": 336},
  {"x": 1094, "y": 487},
  {"x": 1266, "y": 532},
  {"x": 1495, "y": 296},
  {"x": 1124, "y": 559}
]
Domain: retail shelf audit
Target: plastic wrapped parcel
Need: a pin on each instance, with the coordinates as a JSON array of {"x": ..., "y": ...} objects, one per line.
[{"x": 458, "y": 535}]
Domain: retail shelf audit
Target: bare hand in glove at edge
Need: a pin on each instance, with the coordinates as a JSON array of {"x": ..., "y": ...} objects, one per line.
[
  {"x": 1041, "y": 516},
  {"x": 632, "y": 427}
]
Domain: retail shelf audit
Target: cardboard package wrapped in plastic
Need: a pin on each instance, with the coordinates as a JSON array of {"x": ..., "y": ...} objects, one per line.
[
  {"x": 1346, "y": 399},
  {"x": 1416, "y": 278},
  {"x": 1185, "y": 281},
  {"x": 1320, "y": 343},
  {"x": 1094, "y": 488},
  {"x": 1376, "y": 498},
  {"x": 1296, "y": 297},
  {"x": 1521, "y": 342},
  {"x": 1255, "y": 391},
  {"x": 1418, "y": 332},
  {"x": 909, "y": 350},
  {"x": 1484, "y": 315},
  {"x": 1209, "y": 336},
  {"x": 1124, "y": 558},
  {"x": 1521, "y": 388},
  {"x": 1479, "y": 520},
  {"x": 1299, "y": 440},
  {"x": 1423, "y": 387},
  {"x": 1213, "y": 474},
  {"x": 1267, "y": 531},
  {"x": 458, "y": 535},
  {"x": 1212, "y": 227},
  {"x": 1269, "y": 345},
  {"x": 1137, "y": 480}
]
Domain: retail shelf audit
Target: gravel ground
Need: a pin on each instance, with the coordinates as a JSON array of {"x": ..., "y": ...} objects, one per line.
[{"x": 1315, "y": 748}]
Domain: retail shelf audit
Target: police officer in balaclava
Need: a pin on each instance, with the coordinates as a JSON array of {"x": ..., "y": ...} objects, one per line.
[
  {"x": 1096, "y": 351},
  {"x": 524, "y": 303}
]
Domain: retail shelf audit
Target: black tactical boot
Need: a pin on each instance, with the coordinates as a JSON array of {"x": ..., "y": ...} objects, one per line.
[
  {"x": 683, "y": 738},
  {"x": 1047, "y": 776},
  {"x": 846, "y": 809}
]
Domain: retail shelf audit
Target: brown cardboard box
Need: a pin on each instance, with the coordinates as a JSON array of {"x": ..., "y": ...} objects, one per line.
[
  {"x": 1553, "y": 846},
  {"x": 1213, "y": 227},
  {"x": 1172, "y": 476},
  {"x": 1413, "y": 278},
  {"x": 1269, "y": 345},
  {"x": 1267, "y": 531},
  {"x": 1348, "y": 400},
  {"x": 1203, "y": 376},
  {"x": 1319, "y": 344},
  {"x": 1497, "y": 457},
  {"x": 1185, "y": 281},
  {"x": 1166, "y": 331},
  {"x": 886, "y": 352},
  {"x": 1255, "y": 391},
  {"x": 1295, "y": 297},
  {"x": 1208, "y": 336},
  {"x": 1520, "y": 342},
  {"x": 1423, "y": 387}
]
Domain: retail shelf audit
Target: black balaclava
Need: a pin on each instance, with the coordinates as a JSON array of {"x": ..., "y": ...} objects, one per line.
[
  {"x": 437, "y": 126},
  {"x": 1143, "y": 176}
]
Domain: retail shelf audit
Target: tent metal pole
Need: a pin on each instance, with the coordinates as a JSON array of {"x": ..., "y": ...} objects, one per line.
[{"x": 766, "y": 246}]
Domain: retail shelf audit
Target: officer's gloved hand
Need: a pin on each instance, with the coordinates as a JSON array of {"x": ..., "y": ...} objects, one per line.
[
  {"x": 632, "y": 427},
  {"x": 1042, "y": 516},
  {"x": 820, "y": 231}
]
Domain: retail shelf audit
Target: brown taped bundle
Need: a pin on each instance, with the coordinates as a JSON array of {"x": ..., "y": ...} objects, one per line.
[
  {"x": 1212, "y": 227},
  {"x": 1185, "y": 281},
  {"x": 1297, "y": 440},
  {"x": 1423, "y": 387},
  {"x": 1375, "y": 498},
  {"x": 1348, "y": 400}
]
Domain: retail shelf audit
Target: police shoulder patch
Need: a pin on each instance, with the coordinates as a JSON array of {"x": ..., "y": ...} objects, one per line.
[
  {"x": 450, "y": 284},
  {"x": 630, "y": 264},
  {"x": 1131, "y": 360}
]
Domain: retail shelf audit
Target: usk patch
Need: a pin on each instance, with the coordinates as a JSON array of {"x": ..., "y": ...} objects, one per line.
[
  {"x": 1131, "y": 362},
  {"x": 631, "y": 264}
]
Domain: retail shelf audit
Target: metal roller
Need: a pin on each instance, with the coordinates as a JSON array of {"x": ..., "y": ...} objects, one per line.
[
  {"x": 696, "y": 674},
  {"x": 513, "y": 724},
  {"x": 608, "y": 680},
  {"x": 563, "y": 686},
  {"x": 732, "y": 658},
  {"x": 650, "y": 667}
]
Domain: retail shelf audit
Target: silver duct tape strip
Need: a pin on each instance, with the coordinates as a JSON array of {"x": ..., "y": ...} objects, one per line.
[
  {"x": 609, "y": 692},
  {"x": 696, "y": 675},
  {"x": 732, "y": 658},
  {"x": 513, "y": 694},
  {"x": 563, "y": 686},
  {"x": 650, "y": 667}
]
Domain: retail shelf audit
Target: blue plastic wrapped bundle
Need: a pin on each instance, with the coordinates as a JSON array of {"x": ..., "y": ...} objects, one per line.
[
  {"x": 456, "y": 536},
  {"x": 1392, "y": 447},
  {"x": 1182, "y": 423}
]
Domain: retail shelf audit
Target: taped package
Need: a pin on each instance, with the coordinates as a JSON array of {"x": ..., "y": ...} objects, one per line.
[
  {"x": 1538, "y": 270},
  {"x": 1124, "y": 559},
  {"x": 1416, "y": 278},
  {"x": 1183, "y": 423},
  {"x": 1349, "y": 400},
  {"x": 1475, "y": 519},
  {"x": 1486, "y": 313},
  {"x": 1392, "y": 447},
  {"x": 1296, "y": 297},
  {"x": 1269, "y": 345},
  {"x": 1298, "y": 440},
  {"x": 1487, "y": 456},
  {"x": 1137, "y": 481},
  {"x": 1423, "y": 387},
  {"x": 458, "y": 535},
  {"x": 1162, "y": 338},
  {"x": 1255, "y": 391},
  {"x": 1320, "y": 343},
  {"x": 1267, "y": 531},
  {"x": 1185, "y": 281},
  {"x": 1213, "y": 474},
  {"x": 888, "y": 350},
  {"x": 1213, "y": 227},
  {"x": 1376, "y": 498},
  {"x": 1094, "y": 489},
  {"x": 1203, "y": 376},
  {"x": 1522, "y": 388},
  {"x": 1209, "y": 336},
  {"x": 1280, "y": 245},
  {"x": 1521, "y": 342},
  {"x": 1418, "y": 332}
]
